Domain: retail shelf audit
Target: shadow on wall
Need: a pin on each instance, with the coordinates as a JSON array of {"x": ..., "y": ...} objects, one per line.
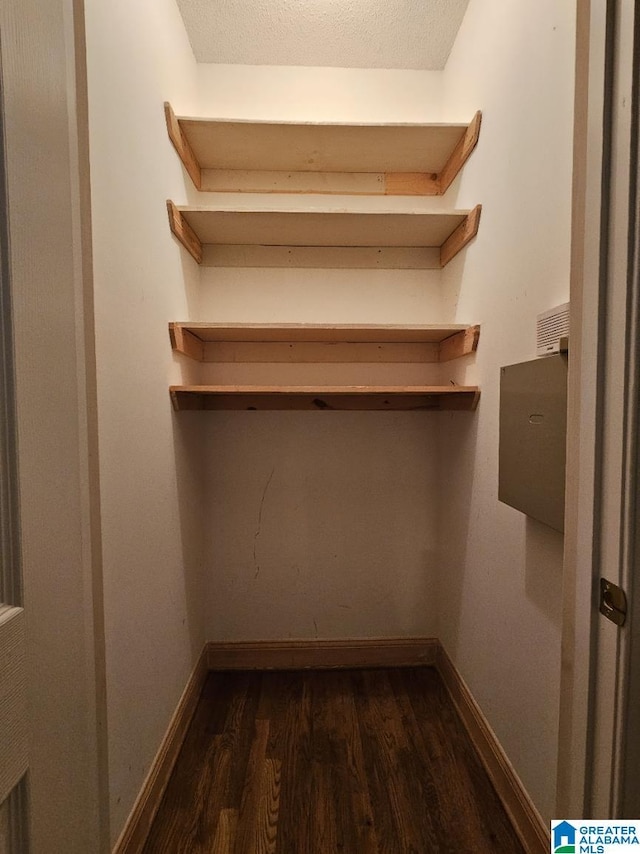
[
  {"x": 191, "y": 275},
  {"x": 458, "y": 449},
  {"x": 187, "y": 443},
  {"x": 544, "y": 549},
  {"x": 526, "y": 547}
]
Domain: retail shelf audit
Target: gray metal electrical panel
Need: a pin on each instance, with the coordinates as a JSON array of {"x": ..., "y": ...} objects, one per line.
[{"x": 533, "y": 435}]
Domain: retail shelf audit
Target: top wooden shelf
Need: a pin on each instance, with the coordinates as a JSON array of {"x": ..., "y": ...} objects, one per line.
[{"x": 225, "y": 155}]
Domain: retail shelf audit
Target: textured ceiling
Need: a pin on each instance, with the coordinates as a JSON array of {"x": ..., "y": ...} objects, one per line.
[{"x": 412, "y": 34}]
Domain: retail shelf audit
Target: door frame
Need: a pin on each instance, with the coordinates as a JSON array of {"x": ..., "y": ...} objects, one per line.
[
  {"x": 13, "y": 711},
  {"x": 44, "y": 79},
  {"x": 591, "y": 747},
  {"x": 626, "y": 790}
]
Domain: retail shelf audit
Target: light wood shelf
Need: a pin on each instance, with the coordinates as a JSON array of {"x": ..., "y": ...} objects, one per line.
[
  {"x": 354, "y": 159},
  {"x": 226, "y": 155},
  {"x": 311, "y": 342},
  {"x": 341, "y": 398},
  {"x": 201, "y": 229}
]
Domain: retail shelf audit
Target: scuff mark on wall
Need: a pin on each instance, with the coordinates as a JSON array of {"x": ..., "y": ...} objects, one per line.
[{"x": 259, "y": 526}]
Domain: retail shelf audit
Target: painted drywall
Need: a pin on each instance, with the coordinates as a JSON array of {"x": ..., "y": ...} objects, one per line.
[
  {"x": 318, "y": 94},
  {"x": 360, "y": 34},
  {"x": 319, "y": 524},
  {"x": 149, "y": 468},
  {"x": 500, "y": 586}
]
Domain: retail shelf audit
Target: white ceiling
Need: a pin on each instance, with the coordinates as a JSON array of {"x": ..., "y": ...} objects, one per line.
[{"x": 410, "y": 34}]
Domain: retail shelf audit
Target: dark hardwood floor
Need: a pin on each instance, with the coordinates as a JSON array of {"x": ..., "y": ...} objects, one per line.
[{"x": 317, "y": 762}]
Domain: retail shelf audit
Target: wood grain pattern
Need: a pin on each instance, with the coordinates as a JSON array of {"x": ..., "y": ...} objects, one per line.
[
  {"x": 411, "y": 184},
  {"x": 321, "y": 762},
  {"x": 183, "y": 232},
  {"x": 307, "y": 342},
  {"x": 328, "y": 183},
  {"x": 460, "y": 154},
  {"x": 184, "y": 341},
  {"x": 354, "y": 333},
  {"x": 292, "y": 157},
  {"x": 312, "y": 352},
  {"x": 324, "y": 398},
  {"x": 459, "y": 344},
  {"x": 232, "y": 224},
  {"x": 321, "y": 146},
  {"x": 463, "y": 234},
  {"x": 321, "y": 257},
  {"x": 344, "y": 653},
  {"x": 263, "y": 181},
  {"x": 182, "y": 146}
]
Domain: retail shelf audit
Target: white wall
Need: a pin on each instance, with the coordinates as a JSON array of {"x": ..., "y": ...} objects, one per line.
[
  {"x": 298, "y": 93},
  {"x": 502, "y": 573},
  {"x": 138, "y": 57},
  {"x": 319, "y": 524}
]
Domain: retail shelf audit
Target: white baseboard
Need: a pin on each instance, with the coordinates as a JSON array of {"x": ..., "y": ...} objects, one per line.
[
  {"x": 525, "y": 818},
  {"x": 136, "y": 830}
]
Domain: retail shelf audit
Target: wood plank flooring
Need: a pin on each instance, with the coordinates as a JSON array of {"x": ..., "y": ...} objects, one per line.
[{"x": 329, "y": 762}]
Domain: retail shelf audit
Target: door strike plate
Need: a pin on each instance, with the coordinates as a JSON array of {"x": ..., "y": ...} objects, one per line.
[{"x": 613, "y": 602}]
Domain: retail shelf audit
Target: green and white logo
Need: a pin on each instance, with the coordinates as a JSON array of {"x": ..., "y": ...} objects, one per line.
[
  {"x": 563, "y": 838},
  {"x": 580, "y": 836}
]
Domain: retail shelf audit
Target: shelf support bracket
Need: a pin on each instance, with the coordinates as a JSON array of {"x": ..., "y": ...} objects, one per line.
[
  {"x": 411, "y": 184},
  {"x": 185, "y": 402},
  {"x": 460, "y": 344},
  {"x": 460, "y": 154},
  {"x": 181, "y": 145},
  {"x": 463, "y": 234},
  {"x": 185, "y": 342},
  {"x": 183, "y": 231}
]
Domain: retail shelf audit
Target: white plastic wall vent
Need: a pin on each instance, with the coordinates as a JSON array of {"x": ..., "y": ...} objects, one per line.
[{"x": 552, "y": 327}]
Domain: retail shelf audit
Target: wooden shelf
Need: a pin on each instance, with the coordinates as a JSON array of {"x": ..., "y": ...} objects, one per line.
[
  {"x": 202, "y": 229},
  {"x": 345, "y": 398},
  {"x": 311, "y": 342},
  {"x": 227, "y": 155},
  {"x": 367, "y": 159}
]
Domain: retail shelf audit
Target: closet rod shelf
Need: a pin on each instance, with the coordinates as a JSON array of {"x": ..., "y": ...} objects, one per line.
[
  {"x": 313, "y": 342},
  {"x": 432, "y": 239},
  {"x": 227, "y": 155},
  {"x": 341, "y": 398}
]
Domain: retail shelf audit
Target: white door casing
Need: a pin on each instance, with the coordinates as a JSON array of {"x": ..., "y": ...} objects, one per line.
[
  {"x": 594, "y": 651},
  {"x": 47, "y": 175},
  {"x": 13, "y": 670},
  {"x": 611, "y": 641},
  {"x": 13, "y": 700}
]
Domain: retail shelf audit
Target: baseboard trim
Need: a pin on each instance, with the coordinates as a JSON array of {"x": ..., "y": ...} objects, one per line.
[
  {"x": 524, "y": 817},
  {"x": 136, "y": 830},
  {"x": 301, "y": 654}
]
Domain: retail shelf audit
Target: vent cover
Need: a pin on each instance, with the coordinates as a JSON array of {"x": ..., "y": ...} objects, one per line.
[{"x": 553, "y": 325}]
